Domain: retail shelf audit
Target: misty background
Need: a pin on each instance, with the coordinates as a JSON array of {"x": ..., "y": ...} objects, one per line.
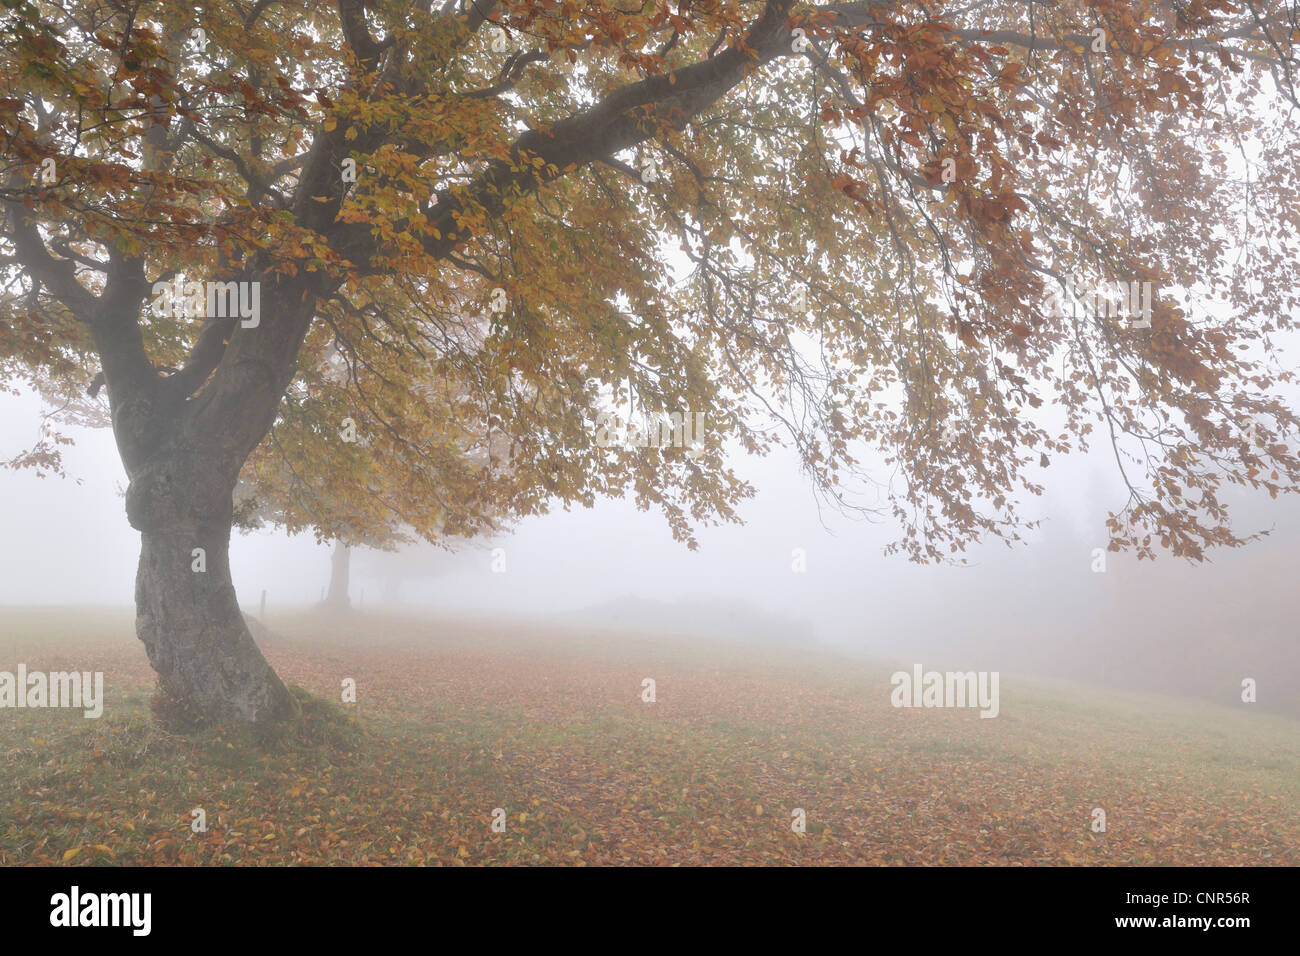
[{"x": 1165, "y": 626}]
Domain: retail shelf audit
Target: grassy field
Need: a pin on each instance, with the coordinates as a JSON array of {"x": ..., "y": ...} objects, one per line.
[{"x": 455, "y": 718}]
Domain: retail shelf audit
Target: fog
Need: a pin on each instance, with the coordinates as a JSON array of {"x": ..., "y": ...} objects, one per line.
[{"x": 1038, "y": 609}]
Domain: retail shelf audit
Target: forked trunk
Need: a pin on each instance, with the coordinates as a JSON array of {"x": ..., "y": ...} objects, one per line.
[{"x": 183, "y": 453}]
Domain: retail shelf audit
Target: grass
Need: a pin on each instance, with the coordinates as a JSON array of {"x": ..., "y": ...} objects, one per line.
[{"x": 456, "y": 718}]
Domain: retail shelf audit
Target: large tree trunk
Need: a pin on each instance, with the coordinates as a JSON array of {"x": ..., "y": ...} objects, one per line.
[
  {"x": 209, "y": 668},
  {"x": 340, "y": 562}
]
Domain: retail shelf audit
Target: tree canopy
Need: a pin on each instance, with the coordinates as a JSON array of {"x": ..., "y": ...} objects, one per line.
[{"x": 838, "y": 281}]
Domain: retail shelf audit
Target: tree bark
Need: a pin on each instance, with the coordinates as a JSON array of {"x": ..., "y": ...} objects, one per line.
[
  {"x": 340, "y": 563},
  {"x": 209, "y": 668}
]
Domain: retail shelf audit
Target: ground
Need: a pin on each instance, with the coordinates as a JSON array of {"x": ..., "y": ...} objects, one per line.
[{"x": 456, "y": 718}]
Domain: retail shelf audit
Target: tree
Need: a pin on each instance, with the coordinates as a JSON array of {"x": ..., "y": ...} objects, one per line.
[
  {"x": 340, "y": 575},
  {"x": 290, "y": 482},
  {"x": 872, "y": 201}
]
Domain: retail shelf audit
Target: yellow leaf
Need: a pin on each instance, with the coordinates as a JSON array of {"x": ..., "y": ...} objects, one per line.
[
  {"x": 69, "y": 854},
  {"x": 104, "y": 849},
  {"x": 462, "y": 853}
]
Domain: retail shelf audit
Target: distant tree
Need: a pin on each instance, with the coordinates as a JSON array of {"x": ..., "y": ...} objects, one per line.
[
  {"x": 340, "y": 566},
  {"x": 872, "y": 198}
]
